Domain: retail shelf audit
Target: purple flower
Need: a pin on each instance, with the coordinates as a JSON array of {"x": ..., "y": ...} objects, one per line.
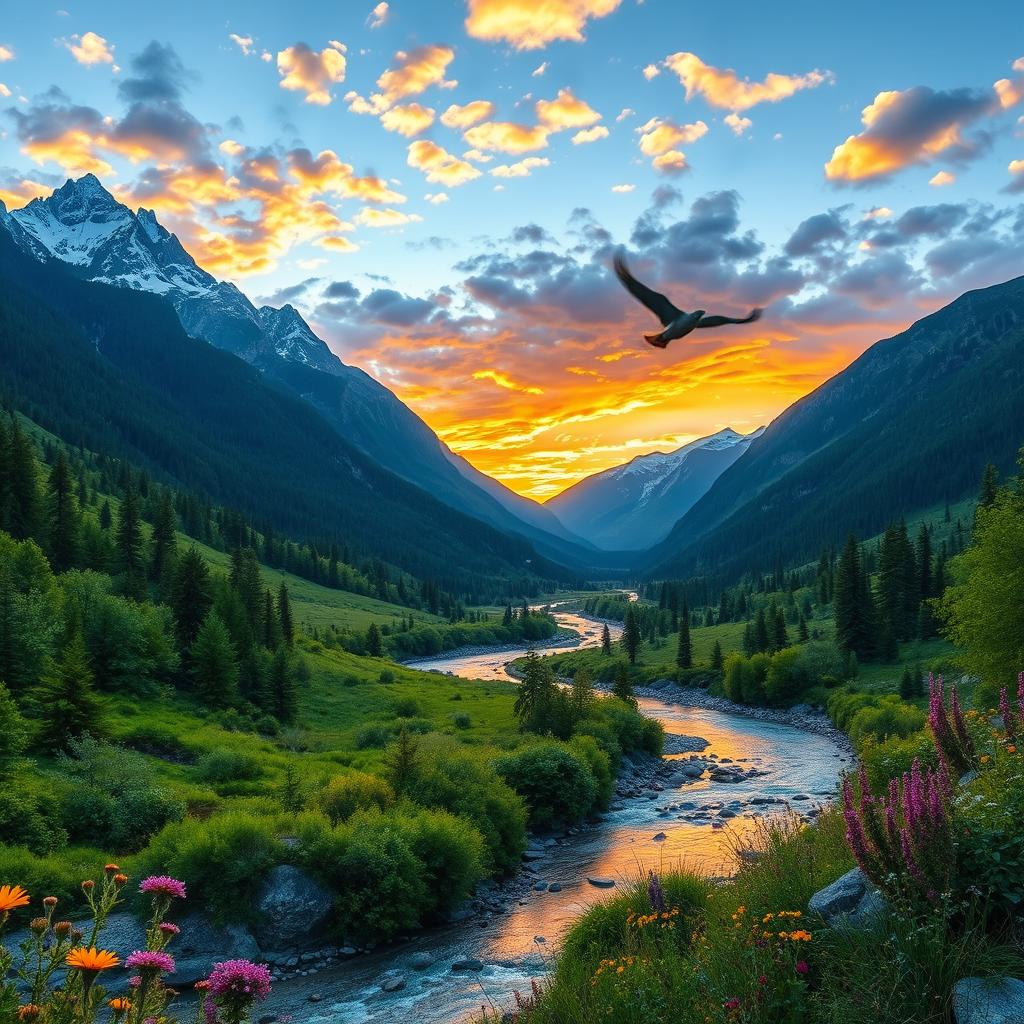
[
  {"x": 656, "y": 894},
  {"x": 161, "y": 885},
  {"x": 210, "y": 1011},
  {"x": 240, "y": 977},
  {"x": 150, "y": 960}
]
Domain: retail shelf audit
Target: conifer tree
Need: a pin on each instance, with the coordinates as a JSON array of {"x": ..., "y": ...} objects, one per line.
[
  {"x": 284, "y": 616},
  {"x": 803, "y": 633},
  {"x": 64, "y": 519},
  {"x": 129, "y": 546},
  {"x": 780, "y": 636},
  {"x": 684, "y": 648},
  {"x": 66, "y": 701},
  {"x": 5, "y": 476},
  {"x": 333, "y": 579},
  {"x": 852, "y": 600},
  {"x": 24, "y": 514},
  {"x": 762, "y": 638},
  {"x": 106, "y": 516},
  {"x": 164, "y": 543},
  {"x": 374, "y": 643},
  {"x": 717, "y": 661},
  {"x": 284, "y": 686},
  {"x": 271, "y": 626},
  {"x": 245, "y": 580},
  {"x": 401, "y": 765},
  {"x": 606, "y": 641},
  {"x": 989, "y": 486},
  {"x": 631, "y": 633},
  {"x": 621, "y": 686},
  {"x": 191, "y": 596},
  {"x": 13, "y": 730},
  {"x": 506, "y": 619},
  {"x": 214, "y": 664},
  {"x": 581, "y": 698},
  {"x": 535, "y": 696}
]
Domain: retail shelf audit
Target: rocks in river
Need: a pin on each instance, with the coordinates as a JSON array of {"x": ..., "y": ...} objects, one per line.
[
  {"x": 392, "y": 983},
  {"x": 420, "y": 961},
  {"x": 534, "y": 853},
  {"x": 292, "y": 907},
  {"x": 554, "y": 887},
  {"x": 850, "y": 899},
  {"x": 467, "y": 965},
  {"x": 988, "y": 1001},
  {"x": 660, "y": 837},
  {"x": 540, "y": 886},
  {"x": 601, "y": 883},
  {"x": 678, "y": 744}
]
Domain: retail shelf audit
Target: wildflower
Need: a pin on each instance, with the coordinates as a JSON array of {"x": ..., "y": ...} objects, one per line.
[
  {"x": 1011, "y": 749},
  {"x": 146, "y": 961},
  {"x": 731, "y": 1004},
  {"x": 111, "y": 869},
  {"x": 203, "y": 985},
  {"x": 38, "y": 925},
  {"x": 88, "y": 885},
  {"x": 119, "y": 1004},
  {"x": 985, "y": 759},
  {"x": 169, "y": 929},
  {"x": 161, "y": 885},
  {"x": 656, "y": 894},
  {"x": 62, "y": 929},
  {"x": 120, "y": 879},
  {"x": 49, "y": 901},
  {"x": 763, "y": 980},
  {"x": 238, "y": 977},
  {"x": 12, "y": 897},
  {"x": 29, "y": 1012},
  {"x": 801, "y": 967},
  {"x": 91, "y": 959}
]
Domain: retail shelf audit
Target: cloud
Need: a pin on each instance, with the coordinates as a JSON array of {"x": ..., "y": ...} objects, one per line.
[
  {"x": 373, "y": 217},
  {"x": 302, "y": 69},
  {"x": 623, "y": 188},
  {"x": 521, "y": 169},
  {"x": 506, "y": 382},
  {"x": 651, "y": 71},
  {"x": 436, "y": 198},
  {"x": 507, "y": 137},
  {"x": 941, "y": 178},
  {"x": 539, "y": 69},
  {"x": 378, "y": 16},
  {"x": 440, "y": 166},
  {"x": 90, "y": 48},
  {"x": 724, "y": 88},
  {"x": 6, "y": 53},
  {"x": 408, "y": 120},
  {"x": 565, "y": 111},
  {"x": 468, "y": 114},
  {"x": 911, "y": 127},
  {"x": 244, "y": 43},
  {"x": 4, "y": 91},
  {"x": 813, "y": 232},
  {"x": 415, "y": 72},
  {"x": 672, "y": 162},
  {"x": 657, "y": 137},
  {"x": 737, "y": 123},
  {"x": 326, "y": 172},
  {"x": 590, "y": 135},
  {"x": 532, "y": 24},
  {"x": 1016, "y": 169}
]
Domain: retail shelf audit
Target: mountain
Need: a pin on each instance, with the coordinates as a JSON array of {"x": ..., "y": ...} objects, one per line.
[
  {"x": 909, "y": 424},
  {"x": 113, "y": 370},
  {"x": 634, "y": 506},
  {"x": 102, "y": 240}
]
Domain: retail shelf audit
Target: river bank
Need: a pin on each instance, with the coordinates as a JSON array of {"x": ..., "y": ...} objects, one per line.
[{"x": 565, "y": 639}]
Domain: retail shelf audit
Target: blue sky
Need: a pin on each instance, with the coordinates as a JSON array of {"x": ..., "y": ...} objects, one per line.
[{"x": 491, "y": 312}]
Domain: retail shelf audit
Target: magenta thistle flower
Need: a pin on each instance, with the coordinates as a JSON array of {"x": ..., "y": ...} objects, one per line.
[
  {"x": 150, "y": 960},
  {"x": 162, "y": 885},
  {"x": 240, "y": 977},
  {"x": 169, "y": 929},
  {"x": 801, "y": 967}
]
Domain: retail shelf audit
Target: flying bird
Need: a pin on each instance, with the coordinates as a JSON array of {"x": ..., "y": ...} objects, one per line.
[{"x": 675, "y": 322}]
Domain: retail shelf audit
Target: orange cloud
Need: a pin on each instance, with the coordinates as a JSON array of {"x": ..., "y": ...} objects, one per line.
[
  {"x": 507, "y": 137},
  {"x": 942, "y": 178},
  {"x": 440, "y": 166},
  {"x": 671, "y": 162},
  {"x": 6, "y": 53},
  {"x": 90, "y": 49},
  {"x": 327, "y": 173},
  {"x": 737, "y": 123},
  {"x": 724, "y": 88},
  {"x": 532, "y": 24},
  {"x": 244, "y": 43},
  {"x": 407, "y": 120},
  {"x": 378, "y": 15},
  {"x": 590, "y": 135},
  {"x": 385, "y": 218},
  {"x": 304, "y": 70},
  {"x": 566, "y": 111},
  {"x": 468, "y": 114},
  {"x": 503, "y": 381},
  {"x": 521, "y": 169},
  {"x": 658, "y": 137},
  {"x": 415, "y": 72}
]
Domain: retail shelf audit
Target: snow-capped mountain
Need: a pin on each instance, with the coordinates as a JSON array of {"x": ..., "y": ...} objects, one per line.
[
  {"x": 84, "y": 226},
  {"x": 634, "y": 506}
]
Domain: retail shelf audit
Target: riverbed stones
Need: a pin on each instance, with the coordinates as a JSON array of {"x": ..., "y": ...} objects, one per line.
[
  {"x": 554, "y": 887},
  {"x": 600, "y": 882},
  {"x": 468, "y": 965},
  {"x": 540, "y": 886},
  {"x": 292, "y": 906},
  {"x": 840, "y": 897},
  {"x": 988, "y": 1001},
  {"x": 392, "y": 983}
]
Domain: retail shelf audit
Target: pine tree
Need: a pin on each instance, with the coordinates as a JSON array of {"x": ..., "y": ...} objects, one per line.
[
  {"x": 66, "y": 701},
  {"x": 852, "y": 600},
  {"x": 374, "y": 643},
  {"x": 803, "y": 633},
  {"x": 333, "y": 578},
  {"x": 906, "y": 684},
  {"x": 401, "y": 765},
  {"x": 606, "y": 641},
  {"x": 631, "y": 633},
  {"x": 106, "y": 516},
  {"x": 64, "y": 518},
  {"x": 271, "y": 626},
  {"x": 129, "y": 547},
  {"x": 684, "y": 648},
  {"x": 164, "y": 543},
  {"x": 191, "y": 597},
  {"x": 762, "y": 638},
  {"x": 581, "y": 698},
  {"x": 13, "y": 730},
  {"x": 284, "y": 686},
  {"x": 717, "y": 661},
  {"x": 923, "y": 557},
  {"x": 5, "y": 477},
  {"x": 621, "y": 686},
  {"x": 245, "y": 581},
  {"x": 214, "y": 664},
  {"x": 534, "y": 698},
  {"x": 780, "y": 636},
  {"x": 284, "y": 615},
  {"x": 989, "y": 488},
  {"x": 24, "y": 515}
]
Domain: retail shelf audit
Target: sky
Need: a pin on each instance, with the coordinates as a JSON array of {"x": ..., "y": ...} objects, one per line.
[{"x": 440, "y": 187}]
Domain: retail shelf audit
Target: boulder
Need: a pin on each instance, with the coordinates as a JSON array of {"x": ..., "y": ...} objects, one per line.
[
  {"x": 467, "y": 965},
  {"x": 392, "y": 983},
  {"x": 203, "y": 943},
  {"x": 988, "y": 1001},
  {"x": 293, "y": 908},
  {"x": 420, "y": 961},
  {"x": 842, "y": 896},
  {"x": 601, "y": 883}
]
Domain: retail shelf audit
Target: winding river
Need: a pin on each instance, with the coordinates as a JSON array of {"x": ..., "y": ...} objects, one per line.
[{"x": 518, "y": 944}]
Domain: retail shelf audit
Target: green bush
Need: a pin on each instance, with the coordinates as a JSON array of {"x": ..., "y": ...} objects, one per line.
[
  {"x": 26, "y": 821},
  {"x": 372, "y": 736},
  {"x": 221, "y": 765},
  {"x": 889, "y": 759},
  {"x": 600, "y": 767},
  {"x": 355, "y": 791},
  {"x": 890, "y": 716},
  {"x": 406, "y": 707},
  {"x": 555, "y": 781},
  {"x": 461, "y": 720},
  {"x": 160, "y": 741},
  {"x": 56, "y": 874},
  {"x": 223, "y": 859}
]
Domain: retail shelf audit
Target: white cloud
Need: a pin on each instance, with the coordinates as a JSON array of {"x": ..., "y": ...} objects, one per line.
[{"x": 378, "y": 15}]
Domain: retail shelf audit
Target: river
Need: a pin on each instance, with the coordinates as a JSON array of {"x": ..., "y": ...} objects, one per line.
[{"x": 518, "y": 945}]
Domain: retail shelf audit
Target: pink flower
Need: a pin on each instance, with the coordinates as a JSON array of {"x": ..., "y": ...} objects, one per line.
[
  {"x": 801, "y": 967},
  {"x": 161, "y": 885},
  {"x": 763, "y": 980},
  {"x": 169, "y": 929},
  {"x": 149, "y": 960},
  {"x": 731, "y": 1004},
  {"x": 240, "y": 977}
]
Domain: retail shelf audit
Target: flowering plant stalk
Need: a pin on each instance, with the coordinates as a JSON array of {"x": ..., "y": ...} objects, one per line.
[{"x": 949, "y": 729}]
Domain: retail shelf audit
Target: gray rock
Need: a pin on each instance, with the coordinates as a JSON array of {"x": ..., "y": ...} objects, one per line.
[
  {"x": 293, "y": 908},
  {"x": 420, "y": 961},
  {"x": 660, "y": 837},
  {"x": 872, "y": 905},
  {"x": 842, "y": 896},
  {"x": 554, "y": 887},
  {"x": 467, "y": 965},
  {"x": 540, "y": 886},
  {"x": 988, "y": 1001},
  {"x": 601, "y": 883},
  {"x": 394, "y": 983}
]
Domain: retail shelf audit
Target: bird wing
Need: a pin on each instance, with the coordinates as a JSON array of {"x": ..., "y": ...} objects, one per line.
[{"x": 654, "y": 301}]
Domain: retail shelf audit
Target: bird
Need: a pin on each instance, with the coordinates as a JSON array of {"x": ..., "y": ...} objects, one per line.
[{"x": 675, "y": 322}]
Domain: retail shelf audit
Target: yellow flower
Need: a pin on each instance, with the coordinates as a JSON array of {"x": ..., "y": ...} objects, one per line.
[
  {"x": 985, "y": 759},
  {"x": 12, "y": 897},
  {"x": 92, "y": 959}
]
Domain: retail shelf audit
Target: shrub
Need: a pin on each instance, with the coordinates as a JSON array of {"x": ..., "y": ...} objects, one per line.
[
  {"x": 24, "y": 821},
  {"x": 461, "y": 720},
  {"x": 556, "y": 782},
  {"x": 372, "y": 736},
  {"x": 222, "y": 765},
  {"x": 356, "y": 791},
  {"x": 890, "y": 758},
  {"x": 224, "y": 858},
  {"x": 600, "y": 767},
  {"x": 160, "y": 741},
  {"x": 890, "y": 716},
  {"x": 386, "y": 676},
  {"x": 406, "y": 707}
]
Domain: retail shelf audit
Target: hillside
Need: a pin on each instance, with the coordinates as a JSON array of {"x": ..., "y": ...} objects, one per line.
[{"x": 905, "y": 426}]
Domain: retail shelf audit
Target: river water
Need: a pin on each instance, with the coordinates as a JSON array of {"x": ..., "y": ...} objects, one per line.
[{"x": 519, "y": 945}]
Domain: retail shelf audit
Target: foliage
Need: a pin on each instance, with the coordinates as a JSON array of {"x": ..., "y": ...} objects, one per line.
[
  {"x": 354, "y": 791},
  {"x": 222, "y": 765},
  {"x": 556, "y": 782}
]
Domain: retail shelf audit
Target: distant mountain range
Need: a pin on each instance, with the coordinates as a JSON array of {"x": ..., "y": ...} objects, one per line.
[
  {"x": 84, "y": 226},
  {"x": 633, "y": 507},
  {"x": 909, "y": 424}
]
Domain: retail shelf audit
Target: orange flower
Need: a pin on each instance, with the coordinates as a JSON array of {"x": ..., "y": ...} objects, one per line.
[
  {"x": 120, "y": 879},
  {"x": 12, "y": 897},
  {"x": 120, "y": 1004},
  {"x": 111, "y": 869},
  {"x": 1011, "y": 749},
  {"x": 29, "y": 1012},
  {"x": 92, "y": 959}
]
